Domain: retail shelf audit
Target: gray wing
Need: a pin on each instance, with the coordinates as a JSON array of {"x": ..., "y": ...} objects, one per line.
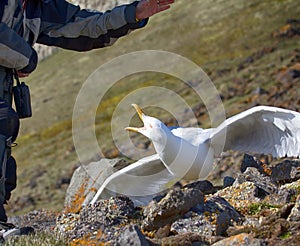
[
  {"x": 140, "y": 181},
  {"x": 262, "y": 129}
]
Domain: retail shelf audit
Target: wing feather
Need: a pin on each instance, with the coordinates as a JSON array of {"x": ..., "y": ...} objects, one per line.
[
  {"x": 140, "y": 181},
  {"x": 193, "y": 135},
  {"x": 262, "y": 129}
]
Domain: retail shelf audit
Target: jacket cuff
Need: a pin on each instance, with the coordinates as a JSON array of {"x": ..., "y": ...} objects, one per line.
[
  {"x": 130, "y": 13},
  {"x": 32, "y": 63}
]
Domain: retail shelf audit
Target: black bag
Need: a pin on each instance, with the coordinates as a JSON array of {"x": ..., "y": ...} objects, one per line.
[{"x": 22, "y": 99}]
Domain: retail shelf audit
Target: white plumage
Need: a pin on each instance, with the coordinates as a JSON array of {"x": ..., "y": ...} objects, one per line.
[{"x": 188, "y": 153}]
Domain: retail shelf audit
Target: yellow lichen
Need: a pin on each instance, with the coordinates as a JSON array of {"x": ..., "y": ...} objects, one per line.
[
  {"x": 79, "y": 197},
  {"x": 91, "y": 240}
]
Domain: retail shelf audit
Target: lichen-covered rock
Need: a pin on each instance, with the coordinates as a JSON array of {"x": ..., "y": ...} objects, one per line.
[
  {"x": 132, "y": 236},
  {"x": 286, "y": 171},
  {"x": 106, "y": 220},
  {"x": 210, "y": 219},
  {"x": 66, "y": 223},
  {"x": 174, "y": 205},
  {"x": 240, "y": 195},
  {"x": 187, "y": 239},
  {"x": 262, "y": 182},
  {"x": 203, "y": 185},
  {"x": 87, "y": 179},
  {"x": 281, "y": 197},
  {"x": 241, "y": 239},
  {"x": 295, "y": 213}
]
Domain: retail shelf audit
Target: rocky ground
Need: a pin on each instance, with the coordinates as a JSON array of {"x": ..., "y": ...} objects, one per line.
[{"x": 261, "y": 206}]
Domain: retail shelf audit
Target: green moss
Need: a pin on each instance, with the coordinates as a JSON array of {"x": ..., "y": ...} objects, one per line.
[
  {"x": 285, "y": 235},
  {"x": 256, "y": 208}
]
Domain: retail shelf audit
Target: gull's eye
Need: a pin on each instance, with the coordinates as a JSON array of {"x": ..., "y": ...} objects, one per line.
[{"x": 150, "y": 126}]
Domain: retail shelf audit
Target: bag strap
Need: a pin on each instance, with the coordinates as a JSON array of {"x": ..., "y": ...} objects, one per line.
[{"x": 17, "y": 77}]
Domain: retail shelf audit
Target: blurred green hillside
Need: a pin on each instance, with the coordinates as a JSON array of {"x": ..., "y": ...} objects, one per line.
[{"x": 230, "y": 39}]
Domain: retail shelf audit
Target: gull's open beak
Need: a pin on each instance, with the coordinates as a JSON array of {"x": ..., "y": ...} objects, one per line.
[{"x": 140, "y": 114}]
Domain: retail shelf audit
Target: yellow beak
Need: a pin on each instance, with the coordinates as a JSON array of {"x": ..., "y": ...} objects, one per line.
[{"x": 140, "y": 114}]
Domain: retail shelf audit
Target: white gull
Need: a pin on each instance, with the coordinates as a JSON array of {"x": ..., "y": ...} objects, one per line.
[{"x": 188, "y": 153}]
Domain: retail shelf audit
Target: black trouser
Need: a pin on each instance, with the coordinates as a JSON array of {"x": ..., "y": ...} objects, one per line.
[
  {"x": 10, "y": 184},
  {"x": 9, "y": 128}
]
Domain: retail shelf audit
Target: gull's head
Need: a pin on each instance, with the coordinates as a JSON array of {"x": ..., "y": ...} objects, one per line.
[{"x": 153, "y": 128}]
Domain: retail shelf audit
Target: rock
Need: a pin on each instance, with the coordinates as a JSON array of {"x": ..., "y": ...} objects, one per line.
[
  {"x": 294, "y": 186},
  {"x": 228, "y": 181},
  {"x": 110, "y": 211},
  {"x": 281, "y": 213},
  {"x": 273, "y": 230},
  {"x": 240, "y": 195},
  {"x": 259, "y": 91},
  {"x": 289, "y": 74},
  {"x": 104, "y": 221},
  {"x": 286, "y": 171},
  {"x": 249, "y": 161},
  {"x": 292, "y": 28},
  {"x": 203, "y": 224},
  {"x": 173, "y": 206},
  {"x": 66, "y": 223},
  {"x": 132, "y": 236},
  {"x": 295, "y": 213},
  {"x": 163, "y": 232},
  {"x": 281, "y": 197},
  {"x": 262, "y": 182},
  {"x": 87, "y": 179},
  {"x": 241, "y": 239},
  {"x": 204, "y": 185},
  {"x": 285, "y": 194},
  {"x": 187, "y": 239},
  {"x": 210, "y": 219},
  {"x": 40, "y": 220}
]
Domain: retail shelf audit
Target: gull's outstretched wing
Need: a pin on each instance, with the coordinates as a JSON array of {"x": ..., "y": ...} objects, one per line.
[
  {"x": 193, "y": 135},
  {"x": 140, "y": 181},
  {"x": 261, "y": 129}
]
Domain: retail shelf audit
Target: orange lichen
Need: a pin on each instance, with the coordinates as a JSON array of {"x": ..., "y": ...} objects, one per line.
[
  {"x": 207, "y": 213},
  {"x": 90, "y": 240},
  {"x": 266, "y": 170},
  {"x": 79, "y": 197},
  {"x": 282, "y": 31},
  {"x": 93, "y": 189},
  {"x": 150, "y": 234}
]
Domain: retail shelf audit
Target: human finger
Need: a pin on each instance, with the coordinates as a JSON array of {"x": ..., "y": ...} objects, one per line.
[
  {"x": 164, "y": 2},
  {"x": 163, "y": 5}
]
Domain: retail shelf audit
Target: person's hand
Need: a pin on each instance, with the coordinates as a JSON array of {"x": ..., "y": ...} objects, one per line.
[
  {"x": 22, "y": 75},
  {"x": 147, "y": 8}
]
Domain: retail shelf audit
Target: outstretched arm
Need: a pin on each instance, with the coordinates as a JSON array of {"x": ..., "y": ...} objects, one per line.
[{"x": 70, "y": 27}]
